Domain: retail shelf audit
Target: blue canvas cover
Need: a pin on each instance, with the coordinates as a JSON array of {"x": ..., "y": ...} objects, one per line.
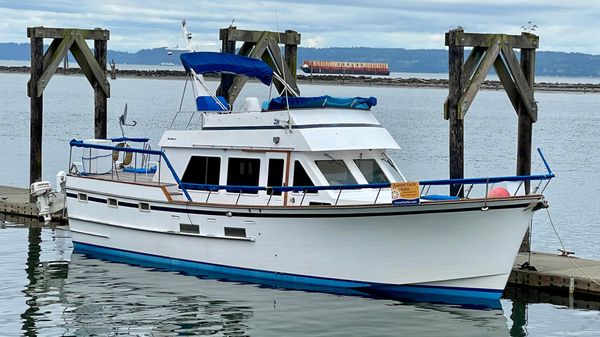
[
  {"x": 211, "y": 62},
  {"x": 207, "y": 103},
  {"x": 362, "y": 103}
]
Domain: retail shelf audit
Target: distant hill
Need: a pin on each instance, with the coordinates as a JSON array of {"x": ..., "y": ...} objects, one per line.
[{"x": 399, "y": 59}]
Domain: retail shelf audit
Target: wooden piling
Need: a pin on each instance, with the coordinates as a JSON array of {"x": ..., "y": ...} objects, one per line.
[
  {"x": 524, "y": 135},
  {"x": 456, "y": 126},
  {"x": 36, "y": 109},
  {"x": 291, "y": 56},
  {"x": 263, "y": 45},
  {"x": 43, "y": 66},
  {"x": 100, "y": 106}
]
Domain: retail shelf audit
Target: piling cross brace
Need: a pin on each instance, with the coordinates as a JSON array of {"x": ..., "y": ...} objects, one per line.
[
  {"x": 260, "y": 45},
  {"x": 44, "y": 65}
]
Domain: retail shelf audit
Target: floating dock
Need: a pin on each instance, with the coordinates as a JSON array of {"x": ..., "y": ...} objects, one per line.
[
  {"x": 15, "y": 205},
  {"x": 557, "y": 273}
]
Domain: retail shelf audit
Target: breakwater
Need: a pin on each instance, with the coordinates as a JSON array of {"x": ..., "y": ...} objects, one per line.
[{"x": 334, "y": 79}]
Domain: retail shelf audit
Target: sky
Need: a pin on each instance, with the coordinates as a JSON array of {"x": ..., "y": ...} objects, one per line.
[{"x": 569, "y": 26}]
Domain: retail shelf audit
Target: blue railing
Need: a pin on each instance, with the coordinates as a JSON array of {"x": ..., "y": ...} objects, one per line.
[
  {"x": 79, "y": 143},
  {"x": 308, "y": 189}
]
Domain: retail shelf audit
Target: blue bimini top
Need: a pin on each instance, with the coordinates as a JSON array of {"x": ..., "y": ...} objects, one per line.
[
  {"x": 211, "y": 62},
  {"x": 362, "y": 103}
]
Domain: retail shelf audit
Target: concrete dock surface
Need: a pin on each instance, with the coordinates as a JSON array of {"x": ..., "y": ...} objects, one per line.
[
  {"x": 15, "y": 201},
  {"x": 557, "y": 273}
]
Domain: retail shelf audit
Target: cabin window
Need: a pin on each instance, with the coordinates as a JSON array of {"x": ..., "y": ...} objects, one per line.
[
  {"x": 243, "y": 172},
  {"x": 371, "y": 171},
  {"x": 235, "y": 232},
  {"x": 189, "y": 228},
  {"x": 301, "y": 178},
  {"x": 202, "y": 170},
  {"x": 111, "y": 202},
  {"x": 336, "y": 172},
  {"x": 275, "y": 177},
  {"x": 82, "y": 197}
]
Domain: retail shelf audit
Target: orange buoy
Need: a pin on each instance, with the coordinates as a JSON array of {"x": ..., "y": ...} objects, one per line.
[{"x": 498, "y": 192}]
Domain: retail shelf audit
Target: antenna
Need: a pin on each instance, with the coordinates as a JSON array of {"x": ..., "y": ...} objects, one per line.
[
  {"x": 123, "y": 121},
  {"x": 285, "y": 87}
]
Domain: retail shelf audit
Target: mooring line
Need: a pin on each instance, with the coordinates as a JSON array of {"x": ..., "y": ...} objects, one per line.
[{"x": 564, "y": 249}]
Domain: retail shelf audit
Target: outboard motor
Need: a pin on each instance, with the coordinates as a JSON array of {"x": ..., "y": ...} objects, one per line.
[{"x": 47, "y": 200}]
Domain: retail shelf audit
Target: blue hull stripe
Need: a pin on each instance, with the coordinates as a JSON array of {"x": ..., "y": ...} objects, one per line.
[{"x": 418, "y": 292}]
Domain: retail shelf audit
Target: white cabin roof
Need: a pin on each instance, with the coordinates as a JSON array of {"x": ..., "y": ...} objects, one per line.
[{"x": 311, "y": 130}]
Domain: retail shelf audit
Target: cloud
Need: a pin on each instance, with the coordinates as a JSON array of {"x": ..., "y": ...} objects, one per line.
[{"x": 137, "y": 24}]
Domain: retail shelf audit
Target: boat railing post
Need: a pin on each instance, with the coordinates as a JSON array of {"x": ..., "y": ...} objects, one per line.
[
  {"x": 537, "y": 187},
  {"x": 518, "y": 187},
  {"x": 422, "y": 190},
  {"x": 427, "y": 192},
  {"x": 460, "y": 189},
  {"x": 485, "y": 206},
  {"x": 543, "y": 189},
  {"x": 377, "y": 196},
  {"x": 303, "y": 195},
  {"x": 270, "y": 196},
  {"x": 238, "y": 197},
  {"x": 208, "y": 196},
  {"x": 338, "y": 197},
  {"x": 159, "y": 164},
  {"x": 470, "y": 189},
  {"x": 135, "y": 167}
]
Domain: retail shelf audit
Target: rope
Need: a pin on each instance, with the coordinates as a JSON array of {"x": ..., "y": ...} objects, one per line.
[{"x": 564, "y": 249}]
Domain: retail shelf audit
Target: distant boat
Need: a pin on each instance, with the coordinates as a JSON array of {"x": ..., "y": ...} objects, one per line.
[
  {"x": 167, "y": 64},
  {"x": 349, "y": 68}
]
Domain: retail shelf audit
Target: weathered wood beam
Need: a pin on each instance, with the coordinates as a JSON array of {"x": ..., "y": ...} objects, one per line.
[
  {"x": 36, "y": 110},
  {"x": 507, "y": 83},
  {"x": 58, "y": 33},
  {"x": 246, "y": 48},
  {"x": 89, "y": 65},
  {"x": 456, "y": 125},
  {"x": 234, "y": 34},
  {"x": 475, "y": 82},
  {"x": 54, "y": 61},
  {"x": 291, "y": 56},
  {"x": 100, "y": 104},
  {"x": 521, "y": 82},
  {"x": 472, "y": 62},
  {"x": 227, "y": 46},
  {"x": 51, "y": 50},
  {"x": 463, "y": 39},
  {"x": 282, "y": 68},
  {"x": 238, "y": 82},
  {"x": 525, "y": 134}
]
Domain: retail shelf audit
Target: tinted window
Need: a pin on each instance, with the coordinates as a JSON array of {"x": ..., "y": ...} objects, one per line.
[
  {"x": 336, "y": 172},
  {"x": 275, "y": 177},
  {"x": 371, "y": 170},
  {"x": 301, "y": 178},
  {"x": 243, "y": 172},
  {"x": 202, "y": 170}
]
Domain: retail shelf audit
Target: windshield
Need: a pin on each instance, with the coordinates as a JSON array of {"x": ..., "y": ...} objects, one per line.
[
  {"x": 371, "y": 171},
  {"x": 336, "y": 172}
]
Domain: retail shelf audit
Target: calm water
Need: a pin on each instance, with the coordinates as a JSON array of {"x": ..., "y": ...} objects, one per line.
[{"x": 50, "y": 292}]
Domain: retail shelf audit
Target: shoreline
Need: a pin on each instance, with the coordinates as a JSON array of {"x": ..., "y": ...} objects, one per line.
[{"x": 333, "y": 80}]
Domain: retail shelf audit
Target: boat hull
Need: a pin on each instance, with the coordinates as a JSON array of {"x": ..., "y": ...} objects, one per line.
[{"x": 446, "y": 249}]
